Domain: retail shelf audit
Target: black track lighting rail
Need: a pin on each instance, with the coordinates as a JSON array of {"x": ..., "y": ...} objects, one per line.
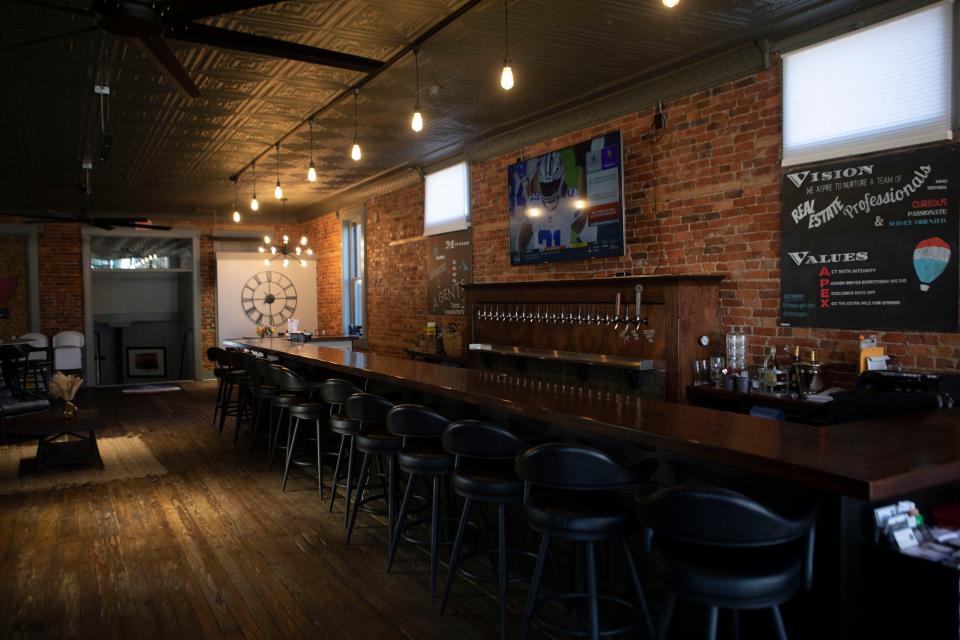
[{"x": 362, "y": 82}]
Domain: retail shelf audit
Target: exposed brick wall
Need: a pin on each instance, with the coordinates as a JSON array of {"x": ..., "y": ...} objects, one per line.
[
  {"x": 703, "y": 196},
  {"x": 324, "y": 234},
  {"x": 60, "y": 255},
  {"x": 397, "y": 274}
]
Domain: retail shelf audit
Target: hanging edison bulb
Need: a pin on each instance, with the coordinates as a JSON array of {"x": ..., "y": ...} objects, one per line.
[
  {"x": 303, "y": 240},
  {"x": 670, "y": 4},
  {"x": 416, "y": 123},
  {"x": 236, "y": 216},
  {"x": 254, "y": 203},
  {"x": 261, "y": 249},
  {"x": 506, "y": 76},
  {"x": 355, "y": 152},
  {"x": 286, "y": 262},
  {"x": 278, "y": 191},
  {"x": 312, "y": 172}
]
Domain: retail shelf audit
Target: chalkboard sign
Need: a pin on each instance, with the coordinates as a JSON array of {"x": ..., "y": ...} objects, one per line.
[
  {"x": 872, "y": 243},
  {"x": 449, "y": 267}
]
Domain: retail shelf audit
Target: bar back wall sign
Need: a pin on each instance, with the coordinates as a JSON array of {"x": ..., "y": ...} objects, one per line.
[{"x": 872, "y": 243}]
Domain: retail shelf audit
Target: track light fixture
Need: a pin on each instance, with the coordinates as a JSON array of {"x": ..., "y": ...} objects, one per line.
[
  {"x": 278, "y": 191},
  {"x": 355, "y": 151},
  {"x": 416, "y": 123},
  {"x": 254, "y": 203},
  {"x": 236, "y": 212},
  {"x": 312, "y": 171},
  {"x": 506, "y": 76}
]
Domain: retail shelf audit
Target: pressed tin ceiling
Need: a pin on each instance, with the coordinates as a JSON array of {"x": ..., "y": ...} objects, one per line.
[{"x": 173, "y": 155}]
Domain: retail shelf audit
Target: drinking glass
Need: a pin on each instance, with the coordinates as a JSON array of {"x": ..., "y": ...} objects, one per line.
[
  {"x": 698, "y": 372},
  {"x": 716, "y": 370}
]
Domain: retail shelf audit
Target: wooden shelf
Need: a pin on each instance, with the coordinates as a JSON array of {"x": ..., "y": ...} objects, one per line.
[{"x": 593, "y": 359}]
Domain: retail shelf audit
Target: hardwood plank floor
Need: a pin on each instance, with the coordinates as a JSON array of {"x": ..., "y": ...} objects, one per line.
[{"x": 213, "y": 549}]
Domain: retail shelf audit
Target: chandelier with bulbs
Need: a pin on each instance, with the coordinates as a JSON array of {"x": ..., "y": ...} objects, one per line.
[{"x": 285, "y": 251}]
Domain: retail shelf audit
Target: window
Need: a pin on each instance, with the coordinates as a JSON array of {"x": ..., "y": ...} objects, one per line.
[
  {"x": 882, "y": 87},
  {"x": 353, "y": 268},
  {"x": 447, "y": 200}
]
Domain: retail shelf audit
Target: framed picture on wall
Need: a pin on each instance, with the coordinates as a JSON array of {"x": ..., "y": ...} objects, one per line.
[{"x": 146, "y": 362}]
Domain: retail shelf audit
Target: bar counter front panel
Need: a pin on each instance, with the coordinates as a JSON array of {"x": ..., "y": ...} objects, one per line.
[{"x": 870, "y": 460}]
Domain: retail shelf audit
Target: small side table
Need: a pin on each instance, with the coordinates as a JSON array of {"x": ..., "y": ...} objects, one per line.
[{"x": 48, "y": 428}]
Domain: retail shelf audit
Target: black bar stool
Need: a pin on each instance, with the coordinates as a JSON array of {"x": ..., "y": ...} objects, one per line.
[
  {"x": 373, "y": 413},
  {"x": 722, "y": 549},
  {"x": 299, "y": 410},
  {"x": 213, "y": 355},
  {"x": 335, "y": 393},
  {"x": 233, "y": 365},
  {"x": 484, "y": 472},
  {"x": 258, "y": 392},
  {"x": 294, "y": 388},
  {"x": 421, "y": 455},
  {"x": 577, "y": 493}
]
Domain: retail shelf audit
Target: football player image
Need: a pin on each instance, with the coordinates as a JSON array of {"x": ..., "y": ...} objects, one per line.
[{"x": 553, "y": 217}]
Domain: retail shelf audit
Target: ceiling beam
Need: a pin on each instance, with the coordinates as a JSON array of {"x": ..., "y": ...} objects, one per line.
[
  {"x": 204, "y": 34},
  {"x": 362, "y": 82}
]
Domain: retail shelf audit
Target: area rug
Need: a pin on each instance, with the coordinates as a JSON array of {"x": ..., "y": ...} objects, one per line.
[
  {"x": 123, "y": 458},
  {"x": 153, "y": 388}
]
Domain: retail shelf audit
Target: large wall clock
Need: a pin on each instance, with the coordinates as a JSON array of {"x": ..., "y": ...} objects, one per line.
[{"x": 269, "y": 298}]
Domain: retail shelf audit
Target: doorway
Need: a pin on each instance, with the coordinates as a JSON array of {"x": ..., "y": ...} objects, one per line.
[{"x": 141, "y": 306}]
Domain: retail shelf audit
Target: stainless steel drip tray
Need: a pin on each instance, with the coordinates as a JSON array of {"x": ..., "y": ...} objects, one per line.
[{"x": 598, "y": 359}]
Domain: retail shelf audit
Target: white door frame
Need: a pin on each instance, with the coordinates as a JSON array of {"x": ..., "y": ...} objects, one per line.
[{"x": 87, "y": 233}]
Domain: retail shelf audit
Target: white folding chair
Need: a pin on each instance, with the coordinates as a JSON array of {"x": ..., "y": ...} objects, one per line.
[{"x": 68, "y": 351}]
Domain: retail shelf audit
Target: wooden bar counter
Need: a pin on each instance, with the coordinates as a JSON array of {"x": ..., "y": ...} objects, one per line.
[{"x": 871, "y": 460}]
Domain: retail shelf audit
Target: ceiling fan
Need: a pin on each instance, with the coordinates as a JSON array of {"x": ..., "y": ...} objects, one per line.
[
  {"x": 82, "y": 217},
  {"x": 151, "y": 23}
]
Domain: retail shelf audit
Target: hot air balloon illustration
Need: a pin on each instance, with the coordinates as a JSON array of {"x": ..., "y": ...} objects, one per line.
[{"x": 930, "y": 258}]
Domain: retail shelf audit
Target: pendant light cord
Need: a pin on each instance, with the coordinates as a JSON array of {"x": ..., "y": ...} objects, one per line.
[
  {"x": 506, "y": 31},
  {"x": 278, "y": 163},
  {"x": 416, "y": 64},
  {"x": 311, "y": 140},
  {"x": 356, "y": 115},
  {"x": 254, "y": 168}
]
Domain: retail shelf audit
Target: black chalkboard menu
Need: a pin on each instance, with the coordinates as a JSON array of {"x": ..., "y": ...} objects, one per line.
[
  {"x": 872, "y": 243},
  {"x": 449, "y": 267}
]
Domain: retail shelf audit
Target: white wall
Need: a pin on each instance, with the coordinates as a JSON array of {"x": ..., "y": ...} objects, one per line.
[{"x": 233, "y": 271}]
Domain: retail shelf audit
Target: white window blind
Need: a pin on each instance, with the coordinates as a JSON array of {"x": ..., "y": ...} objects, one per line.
[
  {"x": 447, "y": 201},
  {"x": 882, "y": 87}
]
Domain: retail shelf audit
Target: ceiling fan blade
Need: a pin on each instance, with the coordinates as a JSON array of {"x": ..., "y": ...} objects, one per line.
[
  {"x": 196, "y": 9},
  {"x": 133, "y": 224},
  {"x": 198, "y": 33},
  {"x": 63, "y": 8},
  {"x": 163, "y": 58},
  {"x": 27, "y": 43}
]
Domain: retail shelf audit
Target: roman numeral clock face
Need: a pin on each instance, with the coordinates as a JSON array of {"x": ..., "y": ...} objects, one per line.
[{"x": 269, "y": 298}]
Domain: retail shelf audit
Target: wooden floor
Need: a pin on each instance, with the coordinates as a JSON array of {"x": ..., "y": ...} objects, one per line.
[{"x": 213, "y": 549}]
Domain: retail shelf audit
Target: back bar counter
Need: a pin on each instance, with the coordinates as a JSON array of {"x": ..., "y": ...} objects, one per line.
[{"x": 873, "y": 461}]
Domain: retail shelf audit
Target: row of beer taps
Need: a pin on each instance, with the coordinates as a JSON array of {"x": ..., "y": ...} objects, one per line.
[
  {"x": 628, "y": 326},
  {"x": 560, "y": 314}
]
